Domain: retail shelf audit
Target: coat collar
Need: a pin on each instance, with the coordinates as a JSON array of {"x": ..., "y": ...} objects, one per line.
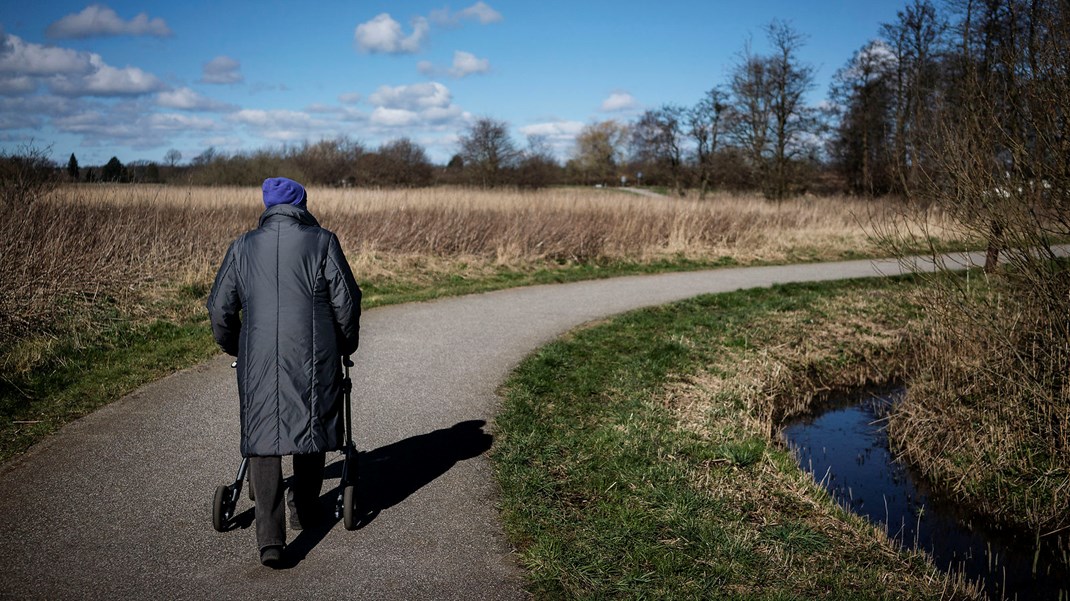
[{"x": 285, "y": 212}]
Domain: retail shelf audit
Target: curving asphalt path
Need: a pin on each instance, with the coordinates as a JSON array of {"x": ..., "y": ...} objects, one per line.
[{"x": 117, "y": 505}]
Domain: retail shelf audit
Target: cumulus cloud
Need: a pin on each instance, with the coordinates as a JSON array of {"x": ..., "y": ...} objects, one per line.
[
  {"x": 618, "y": 101},
  {"x": 560, "y": 136},
  {"x": 98, "y": 20},
  {"x": 384, "y": 35},
  {"x": 428, "y": 103},
  {"x": 394, "y": 117},
  {"x": 186, "y": 99},
  {"x": 105, "y": 80},
  {"x": 426, "y": 68},
  {"x": 24, "y": 65},
  {"x": 279, "y": 124},
  {"x": 278, "y": 117},
  {"x": 417, "y": 96},
  {"x": 479, "y": 11},
  {"x": 16, "y": 85},
  {"x": 350, "y": 97},
  {"x": 128, "y": 125},
  {"x": 222, "y": 70},
  {"x": 26, "y": 58},
  {"x": 466, "y": 63},
  {"x": 553, "y": 129}
]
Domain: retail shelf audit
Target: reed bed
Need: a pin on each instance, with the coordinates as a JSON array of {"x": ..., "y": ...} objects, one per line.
[{"x": 118, "y": 247}]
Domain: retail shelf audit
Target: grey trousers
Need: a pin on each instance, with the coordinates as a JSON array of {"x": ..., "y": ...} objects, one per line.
[{"x": 265, "y": 476}]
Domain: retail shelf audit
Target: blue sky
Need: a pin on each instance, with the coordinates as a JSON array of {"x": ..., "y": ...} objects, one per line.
[{"x": 135, "y": 79}]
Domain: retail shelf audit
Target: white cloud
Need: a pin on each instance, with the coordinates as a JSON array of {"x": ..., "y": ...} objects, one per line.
[
  {"x": 175, "y": 122},
  {"x": 417, "y": 96},
  {"x": 394, "y": 117},
  {"x": 273, "y": 118},
  {"x": 443, "y": 114},
  {"x": 560, "y": 136},
  {"x": 105, "y": 80},
  {"x": 423, "y": 104},
  {"x": 128, "y": 125},
  {"x": 479, "y": 11},
  {"x": 384, "y": 35},
  {"x": 426, "y": 68},
  {"x": 187, "y": 100},
  {"x": 16, "y": 85},
  {"x": 222, "y": 70},
  {"x": 618, "y": 101},
  {"x": 99, "y": 20},
  {"x": 553, "y": 129},
  {"x": 350, "y": 97},
  {"x": 466, "y": 63},
  {"x": 27, "y": 58},
  {"x": 68, "y": 72}
]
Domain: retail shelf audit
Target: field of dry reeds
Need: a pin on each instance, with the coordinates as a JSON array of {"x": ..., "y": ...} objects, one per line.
[{"x": 86, "y": 245}]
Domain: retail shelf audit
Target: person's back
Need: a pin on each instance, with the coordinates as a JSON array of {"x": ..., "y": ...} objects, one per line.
[{"x": 286, "y": 304}]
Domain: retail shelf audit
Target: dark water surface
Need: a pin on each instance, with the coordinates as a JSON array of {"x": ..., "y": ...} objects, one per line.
[{"x": 846, "y": 449}]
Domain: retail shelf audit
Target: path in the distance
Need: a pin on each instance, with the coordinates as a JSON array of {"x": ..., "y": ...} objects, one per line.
[{"x": 117, "y": 504}]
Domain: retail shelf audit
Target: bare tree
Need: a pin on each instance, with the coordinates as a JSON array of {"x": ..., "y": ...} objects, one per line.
[
  {"x": 399, "y": 163},
  {"x": 988, "y": 407},
  {"x": 538, "y": 167},
  {"x": 487, "y": 148},
  {"x": 771, "y": 122},
  {"x": 657, "y": 139},
  {"x": 706, "y": 122},
  {"x": 172, "y": 157},
  {"x": 328, "y": 161},
  {"x": 863, "y": 99},
  {"x": 916, "y": 39}
]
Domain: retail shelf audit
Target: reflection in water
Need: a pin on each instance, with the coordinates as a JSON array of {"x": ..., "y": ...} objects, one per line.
[{"x": 846, "y": 449}]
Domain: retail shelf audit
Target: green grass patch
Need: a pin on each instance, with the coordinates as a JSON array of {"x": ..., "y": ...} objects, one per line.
[{"x": 636, "y": 461}]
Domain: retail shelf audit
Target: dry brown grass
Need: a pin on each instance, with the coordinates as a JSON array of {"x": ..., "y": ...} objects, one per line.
[
  {"x": 987, "y": 414},
  {"x": 568, "y": 224},
  {"x": 121, "y": 246}
]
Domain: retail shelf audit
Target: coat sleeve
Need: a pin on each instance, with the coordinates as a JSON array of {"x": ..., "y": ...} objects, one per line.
[
  {"x": 345, "y": 297},
  {"x": 224, "y": 303}
]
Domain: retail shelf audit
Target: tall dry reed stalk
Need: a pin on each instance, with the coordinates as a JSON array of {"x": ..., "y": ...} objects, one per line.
[{"x": 90, "y": 244}]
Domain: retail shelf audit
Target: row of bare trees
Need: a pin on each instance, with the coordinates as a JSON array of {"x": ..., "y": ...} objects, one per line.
[{"x": 756, "y": 131}]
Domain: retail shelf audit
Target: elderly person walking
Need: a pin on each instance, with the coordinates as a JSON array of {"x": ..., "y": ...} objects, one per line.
[{"x": 286, "y": 304}]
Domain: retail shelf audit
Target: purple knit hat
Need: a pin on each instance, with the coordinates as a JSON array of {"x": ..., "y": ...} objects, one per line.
[{"x": 283, "y": 191}]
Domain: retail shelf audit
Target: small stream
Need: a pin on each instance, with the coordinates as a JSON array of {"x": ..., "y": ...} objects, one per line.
[{"x": 846, "y": 449}]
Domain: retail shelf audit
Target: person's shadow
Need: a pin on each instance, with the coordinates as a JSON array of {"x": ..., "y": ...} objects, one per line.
[{"x": 388, "y": 475}]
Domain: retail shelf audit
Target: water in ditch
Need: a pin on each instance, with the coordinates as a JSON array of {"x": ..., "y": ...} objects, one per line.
[{"x": 845, "y": 447}]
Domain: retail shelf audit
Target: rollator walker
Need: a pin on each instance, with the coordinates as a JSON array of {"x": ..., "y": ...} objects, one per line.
[{"x": 345, "y": 506}]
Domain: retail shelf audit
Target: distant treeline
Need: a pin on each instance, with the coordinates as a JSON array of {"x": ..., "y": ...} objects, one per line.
[{"x": 929, "y": 72}]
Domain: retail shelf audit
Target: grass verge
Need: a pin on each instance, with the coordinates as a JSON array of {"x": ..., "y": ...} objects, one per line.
[{"x": 638, "y": 458}]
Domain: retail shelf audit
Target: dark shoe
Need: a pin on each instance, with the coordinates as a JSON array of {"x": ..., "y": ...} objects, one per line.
[{"x": 271, "y": 557}]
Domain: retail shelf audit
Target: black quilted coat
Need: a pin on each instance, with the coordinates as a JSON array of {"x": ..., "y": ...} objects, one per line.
[{"x": 286, "y": 304}]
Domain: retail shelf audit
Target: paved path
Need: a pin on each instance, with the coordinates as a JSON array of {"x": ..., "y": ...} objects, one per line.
[{"x": 117, "y": 504}]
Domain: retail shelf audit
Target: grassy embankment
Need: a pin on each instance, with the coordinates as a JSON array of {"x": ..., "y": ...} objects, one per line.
[
  {"x": 639, "y": 458},
  {"x": 103, "y": 286}
]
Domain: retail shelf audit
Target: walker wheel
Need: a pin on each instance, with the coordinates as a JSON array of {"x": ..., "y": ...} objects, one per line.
[
  {"x": 349, "y": 507},
  {"x": 219, "y": 508}
]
